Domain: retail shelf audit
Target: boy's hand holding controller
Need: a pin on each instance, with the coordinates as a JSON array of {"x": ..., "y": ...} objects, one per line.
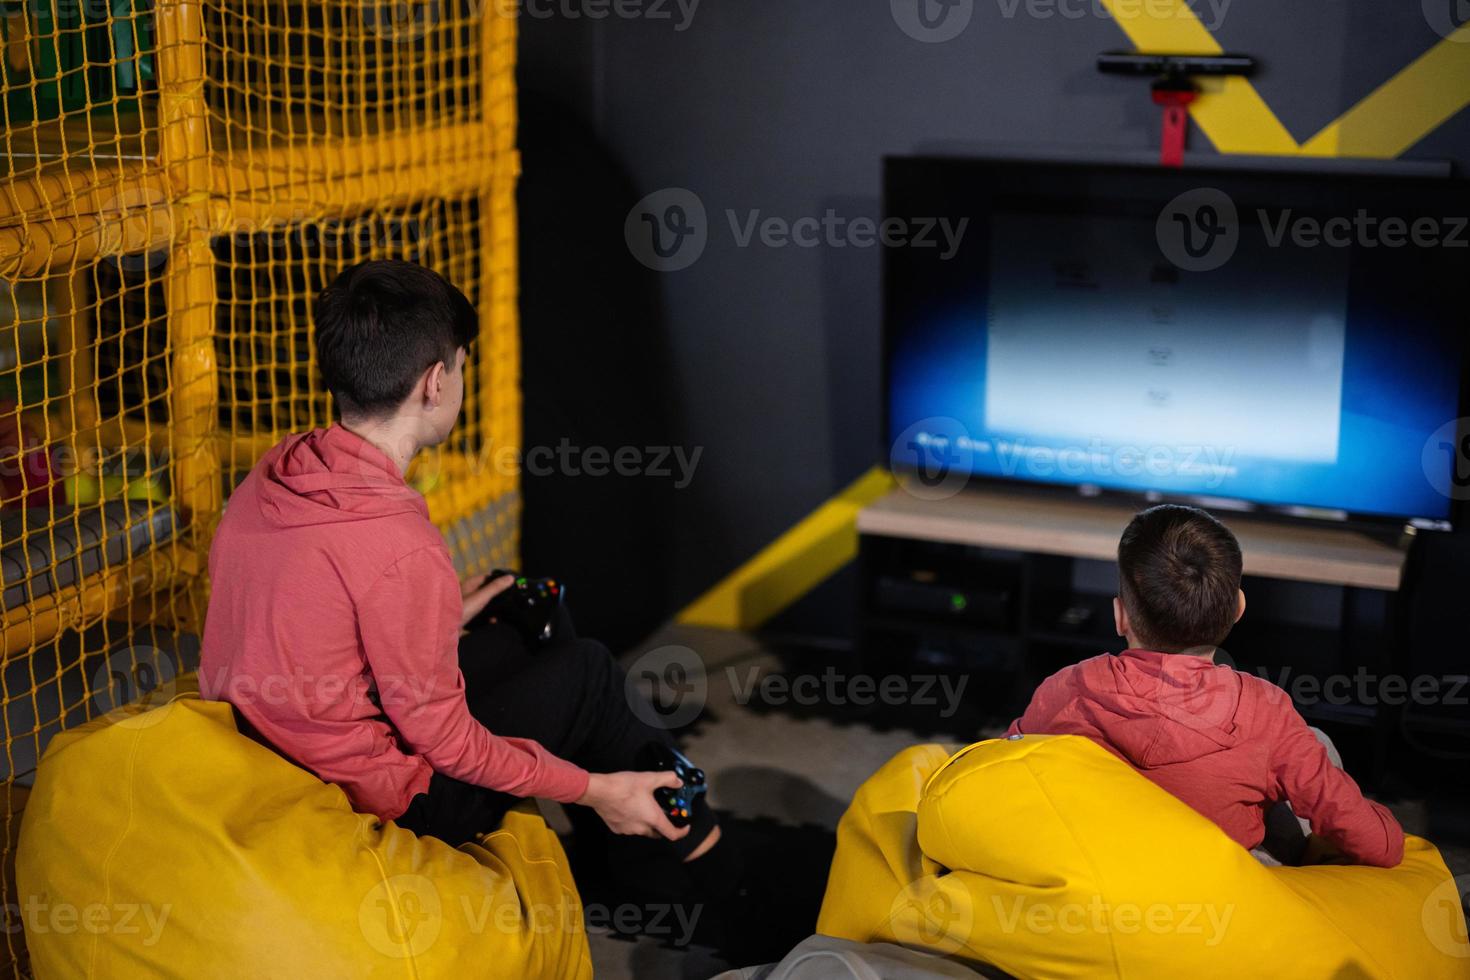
[
  {"x": 624, "y": 801},
  {"x": 478, "y": 590}
]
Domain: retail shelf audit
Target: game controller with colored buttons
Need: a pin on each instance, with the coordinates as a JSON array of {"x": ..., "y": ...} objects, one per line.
[
  {"x": 529, "y": 607},
  {"x": 677, "y": 804}
]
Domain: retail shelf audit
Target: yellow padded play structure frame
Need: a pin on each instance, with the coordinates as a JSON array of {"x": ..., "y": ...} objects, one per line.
[{"x": 179, "y": 179}]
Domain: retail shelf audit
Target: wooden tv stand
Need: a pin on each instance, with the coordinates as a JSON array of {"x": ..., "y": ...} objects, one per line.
[{"x": 1089, "y": 528}]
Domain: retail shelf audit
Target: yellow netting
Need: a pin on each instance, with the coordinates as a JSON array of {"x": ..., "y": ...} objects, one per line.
[{"x": 179, "y": 181}]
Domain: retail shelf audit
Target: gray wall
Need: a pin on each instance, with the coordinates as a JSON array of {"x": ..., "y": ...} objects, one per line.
[{"x": 788, "y": 107}]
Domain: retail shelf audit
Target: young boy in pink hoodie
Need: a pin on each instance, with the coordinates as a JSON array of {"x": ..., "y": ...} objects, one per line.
[
  {"x": 1229, "y": 744},
  {"x": 334, "y": 626}
]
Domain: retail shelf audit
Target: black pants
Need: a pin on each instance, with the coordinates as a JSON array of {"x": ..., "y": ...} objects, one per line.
[{"x": 572, "y": 697}]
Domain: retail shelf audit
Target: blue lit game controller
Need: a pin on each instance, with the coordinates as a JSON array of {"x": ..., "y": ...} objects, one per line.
[{"x": 677, "y": 804}]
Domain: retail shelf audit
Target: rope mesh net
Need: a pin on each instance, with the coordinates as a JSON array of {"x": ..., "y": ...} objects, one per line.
[{"x": 179, "y": 180}]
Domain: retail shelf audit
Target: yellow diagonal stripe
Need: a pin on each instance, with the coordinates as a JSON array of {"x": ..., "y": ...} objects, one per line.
[
  {"x": 1404, "y": 109},
  {"x": 793, "y": 564},
  {"x": 1395, "y": 116},
  {"x": 1230, "y": 111}
]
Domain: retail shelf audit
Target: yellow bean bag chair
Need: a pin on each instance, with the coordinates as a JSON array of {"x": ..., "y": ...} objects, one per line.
[
  {"x": 164, "y": 843},
  {"x": 1046, "y": 856}
]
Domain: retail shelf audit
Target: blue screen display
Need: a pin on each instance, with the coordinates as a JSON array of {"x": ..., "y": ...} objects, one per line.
[{"x": 1065, "y": 346}]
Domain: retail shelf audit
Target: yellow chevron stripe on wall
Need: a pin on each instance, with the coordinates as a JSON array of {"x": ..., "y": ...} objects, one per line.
[{"x": 1386, "y": 123}]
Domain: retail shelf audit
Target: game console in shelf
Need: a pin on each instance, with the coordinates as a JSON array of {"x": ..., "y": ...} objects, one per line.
[
  {"x": 677, "y": 804},
  {"x": 529, "y": 606}
]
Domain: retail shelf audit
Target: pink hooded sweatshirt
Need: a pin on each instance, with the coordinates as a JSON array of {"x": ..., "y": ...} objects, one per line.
[
  {"x": 1223, "y": 741},
  {"x": 333, "y": 628}
]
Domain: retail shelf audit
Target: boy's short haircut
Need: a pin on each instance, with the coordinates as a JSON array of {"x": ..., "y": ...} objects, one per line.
[
  {"x": 380, "y": 325},
  {"x": 1179, "y": 578}
]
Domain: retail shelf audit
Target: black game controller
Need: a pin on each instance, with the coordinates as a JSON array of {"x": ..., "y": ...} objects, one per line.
[
  {"x": 529, "y": 607},
  {"x": 677, "y": 804}
]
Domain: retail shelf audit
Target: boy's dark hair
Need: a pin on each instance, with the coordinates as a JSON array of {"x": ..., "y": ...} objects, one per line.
[
  {"x": 380, "y": 325},
  {"x": 1179, "y": 572}
]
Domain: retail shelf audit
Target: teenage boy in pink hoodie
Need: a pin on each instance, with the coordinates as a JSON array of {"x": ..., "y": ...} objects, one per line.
[
  {"x": 1230, "y": 745},
  {"x": 334, "y": 626}
]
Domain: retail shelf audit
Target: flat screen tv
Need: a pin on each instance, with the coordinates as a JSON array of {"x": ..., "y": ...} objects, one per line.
[{"x": 1284, "y": 341}]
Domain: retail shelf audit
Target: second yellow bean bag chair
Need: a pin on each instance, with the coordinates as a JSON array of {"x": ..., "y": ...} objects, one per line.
[
  {"x": 164, "y": 843},
  {"x": 1048, "y": 857}
]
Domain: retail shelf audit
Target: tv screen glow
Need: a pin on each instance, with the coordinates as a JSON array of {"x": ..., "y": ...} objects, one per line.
[{"x": 1072, "y": 339}]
